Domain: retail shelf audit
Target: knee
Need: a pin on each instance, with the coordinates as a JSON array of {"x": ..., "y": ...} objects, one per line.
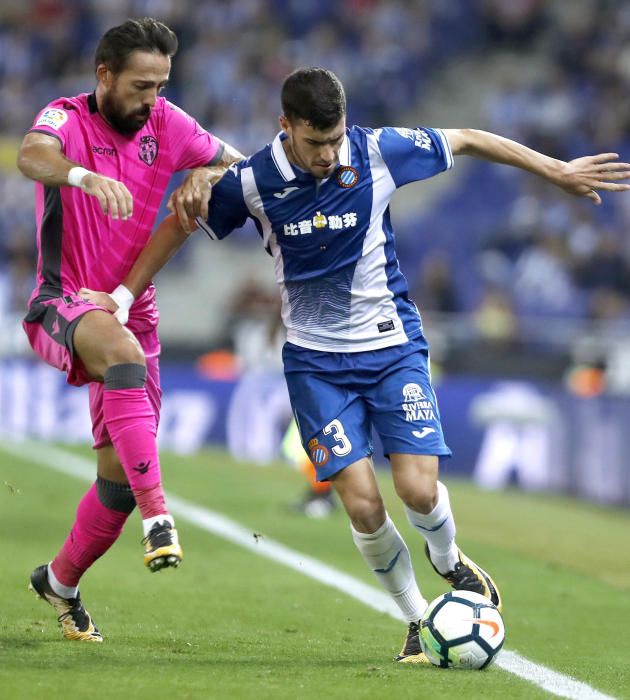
[
  {"x": 100, "y": 342},
  {"x": 125, "y": 350},
  {"x": 420, "y": 495},
  {"x": 367, "y": 513},
  {"x": 125, "y": 363}
]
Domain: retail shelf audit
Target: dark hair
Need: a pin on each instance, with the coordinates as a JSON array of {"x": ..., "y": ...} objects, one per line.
[
  {"x": 315, "y": 95},
  {"x": 145, "y": 34}
]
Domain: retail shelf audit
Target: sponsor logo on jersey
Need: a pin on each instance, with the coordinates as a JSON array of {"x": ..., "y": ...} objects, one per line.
[
  {"x": 347, "y": 176},
  {"x": 416, "y": 405},
  {"x": 319, "y": 453},
  {"x": 419, "y": 137},
  {"x": 285, "y": 192},
  {"x": 334, "y": 222},
  {"x": 54, "y": 118},
  {"x": 104, "y": 151},
  {"x": 148, "y": 149},
  {"x": 422, "y": 433},
  {"x": 413, "y": 392},
  {"x": 319, "y": 220}
]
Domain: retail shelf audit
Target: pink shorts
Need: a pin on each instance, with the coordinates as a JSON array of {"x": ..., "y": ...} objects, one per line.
[{"x": 50, "y": 334}]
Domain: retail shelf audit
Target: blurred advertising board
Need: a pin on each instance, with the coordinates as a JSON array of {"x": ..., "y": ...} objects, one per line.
[{"x": 534, "y": 435}]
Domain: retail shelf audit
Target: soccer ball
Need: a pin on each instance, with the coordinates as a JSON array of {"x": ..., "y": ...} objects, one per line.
[{"x": 462, "y": 629}]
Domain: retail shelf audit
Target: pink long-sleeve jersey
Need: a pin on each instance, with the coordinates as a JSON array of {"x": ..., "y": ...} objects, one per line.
[{"x": 78, "y": 245}]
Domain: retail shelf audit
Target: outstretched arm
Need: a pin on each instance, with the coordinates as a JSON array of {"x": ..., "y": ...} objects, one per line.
[
  {"x": 582, "y": 177},
  {"x": 41, "y": 159},
  {"x": 165, "y": 242}
]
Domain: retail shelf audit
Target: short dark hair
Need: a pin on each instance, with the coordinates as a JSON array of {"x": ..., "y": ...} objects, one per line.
[
  {"x": 315, "y": 95},
  {"x": 145, "y": 34}
]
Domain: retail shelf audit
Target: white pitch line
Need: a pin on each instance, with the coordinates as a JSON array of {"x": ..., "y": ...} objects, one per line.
[{"x": 68, "y": 463}]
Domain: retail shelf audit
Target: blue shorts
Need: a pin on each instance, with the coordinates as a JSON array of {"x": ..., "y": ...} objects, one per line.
[{"x": 337, "y": 399}]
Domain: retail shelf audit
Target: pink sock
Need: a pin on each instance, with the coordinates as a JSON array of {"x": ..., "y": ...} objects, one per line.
[
  {"x": 131, "y": 424},
  {"x": 95, "y": 530}
]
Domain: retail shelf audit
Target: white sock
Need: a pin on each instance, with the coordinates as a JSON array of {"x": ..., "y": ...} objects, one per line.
[
  {"x": 410, "y": 602},
  {"x": 59, "y": 588},
  {"x": 150, "y": 522},
  {"x": 387, "y": 555},
  {"x": 438, "y": 529}
]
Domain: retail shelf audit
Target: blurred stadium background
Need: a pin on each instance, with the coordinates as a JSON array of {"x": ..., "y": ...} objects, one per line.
[{"x": 525, "y": 293}]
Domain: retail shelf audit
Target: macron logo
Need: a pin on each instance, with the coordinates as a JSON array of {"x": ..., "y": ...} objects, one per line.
[
  {"x": 422, "y": 433},
  {"x": 285, "y": 192}
]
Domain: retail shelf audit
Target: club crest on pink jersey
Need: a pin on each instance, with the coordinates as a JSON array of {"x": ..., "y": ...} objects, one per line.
[{"x": 148, "y": 149}]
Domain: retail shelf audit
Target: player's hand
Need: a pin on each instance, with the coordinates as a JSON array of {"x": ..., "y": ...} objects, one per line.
[
  {"x": 99, "y": 298},
  {"x": 584, "y": 177},
  {"x": 114, "y": 197},
  {"x": 191, "y": 198},
  {"x": 119, "y": 302}
]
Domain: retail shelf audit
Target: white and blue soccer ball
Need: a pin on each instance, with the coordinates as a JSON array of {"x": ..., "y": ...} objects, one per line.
[{"x": 462, "y": 629}]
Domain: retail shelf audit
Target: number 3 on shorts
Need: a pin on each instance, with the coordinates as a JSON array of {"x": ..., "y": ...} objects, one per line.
[{"x": 344, "y": 446}]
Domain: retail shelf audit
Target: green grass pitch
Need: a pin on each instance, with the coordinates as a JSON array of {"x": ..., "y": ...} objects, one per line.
[{"x": 230, "y": 624}]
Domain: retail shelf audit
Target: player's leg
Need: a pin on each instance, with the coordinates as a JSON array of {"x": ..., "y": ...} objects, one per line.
[
  {"x": 427, "y": 505},
  {"x": 105, "y": 508},
  {"x": 102, "y": 514},
  {"x": 428, "y": 509},
  {"x": 100, "y": 518},
  {"x": 125, "y": 411},
  {"x": 335, "y": 434},
  {"x": 112, "y": 355},
  {"x": 404, "y": 411},
  {"x": 383, "y": 549},
  {"x": 377, "y": 538},
  {"x": 49, "y": 327}
]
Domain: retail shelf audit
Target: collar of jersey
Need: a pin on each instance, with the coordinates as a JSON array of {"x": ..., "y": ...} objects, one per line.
[
  {"x": 284, "y": 166},
  {"x": 92, "y": 104}
]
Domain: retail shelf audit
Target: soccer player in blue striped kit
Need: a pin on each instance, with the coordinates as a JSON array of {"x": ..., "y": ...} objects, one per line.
[{"x": 355, "y": 355}]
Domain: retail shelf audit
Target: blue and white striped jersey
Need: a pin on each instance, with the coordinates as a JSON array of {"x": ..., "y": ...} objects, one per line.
[{"x": 331, "y": 240}]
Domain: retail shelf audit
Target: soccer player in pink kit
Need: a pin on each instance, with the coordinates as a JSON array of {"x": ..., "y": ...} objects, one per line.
[{"x": 102, "y": 162}]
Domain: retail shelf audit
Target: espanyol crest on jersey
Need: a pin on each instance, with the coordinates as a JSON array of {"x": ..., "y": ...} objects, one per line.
[{"x": 347, "y": 176}]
